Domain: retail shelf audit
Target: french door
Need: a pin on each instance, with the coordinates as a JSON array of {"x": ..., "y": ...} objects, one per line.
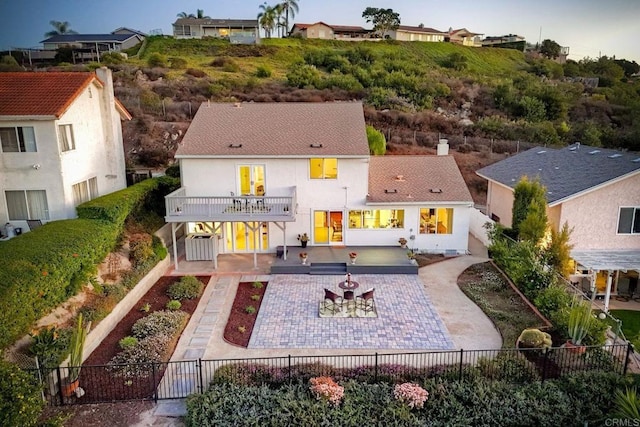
[
  {"x": 251, "y": 180},
  {"x": 327, "y": 228}
]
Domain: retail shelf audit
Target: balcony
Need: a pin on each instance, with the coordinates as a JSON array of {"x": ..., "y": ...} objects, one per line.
[{"x": 183, "y": 208}]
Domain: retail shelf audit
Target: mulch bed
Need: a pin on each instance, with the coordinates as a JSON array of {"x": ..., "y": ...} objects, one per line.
[
  {"x": 101, "y": 385},
  {"x": 239, "y": 318}
]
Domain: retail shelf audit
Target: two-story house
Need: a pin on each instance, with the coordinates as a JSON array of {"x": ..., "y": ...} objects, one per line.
[
  {"x": 241, "y": 31},
  {"x": 257, "y": 175},
  {"x": 60, "y": 143},
  {"x": 420, "y": 34},
  {"x": 596, "y": 191}
]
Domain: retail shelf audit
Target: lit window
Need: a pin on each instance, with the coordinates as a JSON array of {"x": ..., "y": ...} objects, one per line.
[
  {"x": 67, "y": 141},
  {"x": 377, "y": 218},
  {"x": 17, "y": 139},
  {"x": 629, "y": 220},
  {"x": 320, "y": 168},
  {"x": 436, "y": 220}
]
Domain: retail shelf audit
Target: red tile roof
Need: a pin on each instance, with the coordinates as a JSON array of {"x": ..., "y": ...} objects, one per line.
[
  {"x": 41, "y": 94},
  {"x": 283, "y": 129},
  {"x": 414, "y": 179}
]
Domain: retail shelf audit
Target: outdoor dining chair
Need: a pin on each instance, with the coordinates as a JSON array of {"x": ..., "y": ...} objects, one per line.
[
  {"x": 332, "y": 302},
  {"x": 366, "y": 302}
]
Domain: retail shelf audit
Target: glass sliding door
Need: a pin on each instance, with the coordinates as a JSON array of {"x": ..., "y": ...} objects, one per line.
[
  {"x": 241, "y": 237},
  {"x": 251, "y": 180},
  {"x": 327, "y": 227}
]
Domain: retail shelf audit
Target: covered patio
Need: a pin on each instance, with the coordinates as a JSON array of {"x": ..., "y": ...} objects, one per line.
[{"x": 616, "y": 271}]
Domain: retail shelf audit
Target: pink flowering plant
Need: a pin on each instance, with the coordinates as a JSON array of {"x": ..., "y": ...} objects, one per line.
[
  {"x": 325, "y": 388},
  {"x": 411, "y": 394}
]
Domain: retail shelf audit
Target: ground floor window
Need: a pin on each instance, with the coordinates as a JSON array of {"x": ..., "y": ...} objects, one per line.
[
  {"x": 629, "y": 220},
  {"x": 27, "y": 204},
  {"x": 85, "y": 191},
  {"x": 436, "y": 220},
  {"x": 376, "y": 218}
]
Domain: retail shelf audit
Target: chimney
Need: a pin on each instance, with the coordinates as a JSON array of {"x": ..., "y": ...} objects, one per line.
[{"x": 443, "y": 147}]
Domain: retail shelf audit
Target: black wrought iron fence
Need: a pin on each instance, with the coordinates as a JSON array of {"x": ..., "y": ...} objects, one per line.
[{"x": 176, "y": 380}]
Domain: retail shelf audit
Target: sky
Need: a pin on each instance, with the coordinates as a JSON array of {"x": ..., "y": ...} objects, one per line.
[{"x": 590, "y": 28}]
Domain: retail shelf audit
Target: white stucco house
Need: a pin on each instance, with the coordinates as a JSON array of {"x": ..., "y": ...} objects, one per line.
[
  {"x": 241, "y": 31},
  {"x": 60, "y": 143},
  {"x": 258, "y": 175},
  {"x": 597, "y": 192},
  {"x": 409, "y": 33}
]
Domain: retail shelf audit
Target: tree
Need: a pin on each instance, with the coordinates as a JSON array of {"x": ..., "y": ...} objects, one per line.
[
  {"x": 290, "y": 7},
  {"x": 60, "y": 28},
  {"x": 383, "y": 20},
  {"x": 377, "y": 141},
  {"x": 198, "y": 15},
  {"x": 529, "y": 210},
  {"x": 629, "y": 67},
  {"x": 267, "y": 18},
  {"x": 550, "y": 49},
  {"x": 557, "y": 253}
]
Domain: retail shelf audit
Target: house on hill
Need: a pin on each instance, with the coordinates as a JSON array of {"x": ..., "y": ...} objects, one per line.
[
  {"x": 60, "y": 143},
  {"x": 420, "y": 33},
  {"x": 464, "y": 37},
  {"x": 320, "y": 30},
  {"x": 241, "y": 31},
  {"x": 91, "y": 46},
  {"x": 597, "y": 192},
  {"x": 257, "y": 175}
]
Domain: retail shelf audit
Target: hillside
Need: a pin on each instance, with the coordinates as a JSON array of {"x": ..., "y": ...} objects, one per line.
[{"x": 485, "y": 101}]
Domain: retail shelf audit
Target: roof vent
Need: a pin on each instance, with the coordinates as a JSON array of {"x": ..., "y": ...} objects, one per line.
[
  {"x": 594, "y": 152},
  {"x": 400, "y": 178},
  {"x": 235, "y": 145},
  {"x": 394, "y": 191},
  {"x": 541, "y": 152},
  {"x": 615, "y": 156},
  {"x": 573, "y": 149},
  {"x": 435, "y": 190},
  {"x": 237, "y": 105},
  {"x": 315, "y": 145}
]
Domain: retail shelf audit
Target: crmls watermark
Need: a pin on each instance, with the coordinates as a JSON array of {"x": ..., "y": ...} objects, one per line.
[{"x": 619, "y": 422}]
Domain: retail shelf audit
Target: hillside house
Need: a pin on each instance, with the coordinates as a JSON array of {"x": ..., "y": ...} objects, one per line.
[
  {"x": 241, "y": 31},
  {"x": 60, "y": 143},
  {"x": 320, "y": 30},
  {"x": 594, "y": 190},
  {"x": 464, "y": 37},
  {"x": 257, "y": 175},
  {"x": 421, "y": 34}
]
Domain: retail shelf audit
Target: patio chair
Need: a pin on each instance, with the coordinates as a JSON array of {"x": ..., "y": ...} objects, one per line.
[
  {"x": 332, "y": 302},
  {"x": 366, "y": 302}
]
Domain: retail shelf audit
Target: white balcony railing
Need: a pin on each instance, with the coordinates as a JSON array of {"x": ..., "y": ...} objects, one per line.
[{"x": 181, "y": 208}]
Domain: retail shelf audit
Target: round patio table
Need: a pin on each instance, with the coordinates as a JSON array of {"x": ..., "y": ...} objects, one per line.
[{"x": 348, "y": 285}]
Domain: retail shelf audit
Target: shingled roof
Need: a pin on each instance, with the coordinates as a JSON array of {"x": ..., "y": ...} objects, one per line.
[
  {"x": 285, "y": 129},
  {"x": 89, "y": 38},
  {"x": 565, "y": 172},
  {"x": 414, "y": 179},
  {"x": 41, "y": 94}
]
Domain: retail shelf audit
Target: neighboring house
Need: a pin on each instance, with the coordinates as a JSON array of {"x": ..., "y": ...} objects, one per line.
[
  {"x": 320, "y": 30},
  {"x": 125, "y": 30},
  {"x": 91, "y": 46},
  {"x": 509, "y": 41},
  {"x": 257, "y": 175},
  {"x": 245, "y": 31},
  {"x": 464, "y": 37},
  {"x": 596, "y": 191},
  {"x": 60, "y": 143},
  {"x": 422, "y": 34}
]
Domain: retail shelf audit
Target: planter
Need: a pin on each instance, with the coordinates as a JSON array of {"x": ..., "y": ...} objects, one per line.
[
  {"x": 303, "y": 244},
  {"x": 353, "y": 260},
  {"x": 304, "y": 260},
  {"x": 70, "y": 388},
  {"x": 576, "y": 349}
]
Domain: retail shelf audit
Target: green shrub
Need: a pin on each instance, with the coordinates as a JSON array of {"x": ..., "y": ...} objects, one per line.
[
  {"x": 140, "y": 249},
  {"x": 50, "y": 345},
  {"x": 177, "y": 63},
  {"x": 255, "y": 297},
  {"x": 250, "y": 309},
  {"x": 137, "y": 359},
  {"x": 173, "y": 305},
  {"x": 157, "y": 60},
  {"x": 263, "y": 71},
  {"x": 20, "y": 397},
  {"x": 189, "y": 287},
  {"x": 128, "y": 342},
  {"x": 159, "y": 323},
  {"x": 377, "y": 141},
  {"x": 257, "y": 285},
  {"x": 173, "y": 171},
  {"x": 302, "y": 75},
  {"x": 112, "y": 58}
]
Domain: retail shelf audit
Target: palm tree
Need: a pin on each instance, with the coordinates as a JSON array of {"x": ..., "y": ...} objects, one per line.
[
  {"x": 279, "y": 22},
  {"x": 267, "y": 19},
  {"x": 60, "y": 28},
  {"x": 198, "y": 15},
  {"x": 290, "y": 8},
  {"x": 185, "y": 15}
]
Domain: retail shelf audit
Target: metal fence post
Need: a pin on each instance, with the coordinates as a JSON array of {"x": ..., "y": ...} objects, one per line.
[
  {"x": 155, "y": 386},
  {"x": 460, "y": 367},
  {"x": 289, "y": 370},
  {"x": 60, "y": 386},
  {"x": 199, "y": 364},
  {"x": 375, "y": 371},
  {"x": 544, "y": 364},
  {"x": 626, "y": 359}
]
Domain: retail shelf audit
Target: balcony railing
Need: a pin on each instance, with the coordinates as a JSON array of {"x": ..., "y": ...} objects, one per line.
[{"x": 181, "y": 208}]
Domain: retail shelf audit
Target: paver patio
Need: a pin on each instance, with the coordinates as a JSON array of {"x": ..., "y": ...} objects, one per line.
[{"x": 288, "y": 317}]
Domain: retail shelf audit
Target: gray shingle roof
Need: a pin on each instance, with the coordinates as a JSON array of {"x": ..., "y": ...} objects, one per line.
[
  {"x": 282, "y": 129},
  {"x": 564, "y": 171},
  {"x": 211, "y": 22},
  {"x": 413, "y": 179},
  {"x": 87, "y": 38}
]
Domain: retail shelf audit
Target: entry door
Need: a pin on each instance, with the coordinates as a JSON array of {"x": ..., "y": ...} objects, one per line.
[
  {"x": 327, "y": 227},
  {"x": 251, "y": 180},
  {"x": 240, "y": 237}
]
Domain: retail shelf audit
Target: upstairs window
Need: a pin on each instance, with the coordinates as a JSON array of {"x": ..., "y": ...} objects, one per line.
[
  {"x": 629, "y": 221},
  {"x": 67, "y": 142},
  {"x": 18, "y": 139},
  {"x": 322, "y": 168}
]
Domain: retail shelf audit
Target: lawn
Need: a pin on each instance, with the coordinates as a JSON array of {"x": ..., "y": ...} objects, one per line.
[{"x": 630, "y": 322}]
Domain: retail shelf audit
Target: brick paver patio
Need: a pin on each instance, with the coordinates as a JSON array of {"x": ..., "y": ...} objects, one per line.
[{"x": 288, "y": 316}]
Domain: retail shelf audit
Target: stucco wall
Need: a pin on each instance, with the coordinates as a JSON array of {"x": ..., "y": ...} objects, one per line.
[
  {"x": 319, "y": 31},
  {"x": 500, "y": 203},
  {"x": 594, "y": 216}
]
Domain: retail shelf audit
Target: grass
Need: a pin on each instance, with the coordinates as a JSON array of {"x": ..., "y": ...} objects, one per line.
[
  {"x": 509, "y": 313},
  {"x": 630, "y": 322}
]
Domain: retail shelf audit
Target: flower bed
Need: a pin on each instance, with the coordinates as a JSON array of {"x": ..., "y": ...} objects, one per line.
[{"x": 244, "y": 312}]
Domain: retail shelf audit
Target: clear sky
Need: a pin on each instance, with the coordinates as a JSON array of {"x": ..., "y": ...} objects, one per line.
[{"x": 589, "y": 27}]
